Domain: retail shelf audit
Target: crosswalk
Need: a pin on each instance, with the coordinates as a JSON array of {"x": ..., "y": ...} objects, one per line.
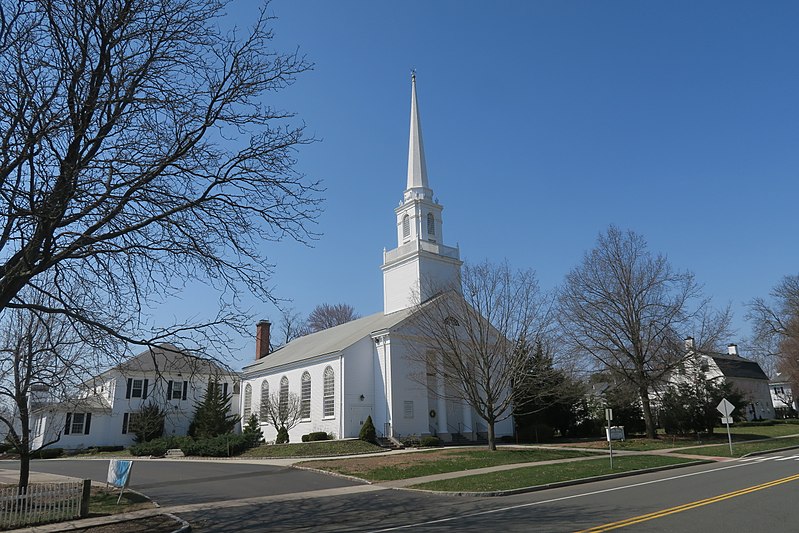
[{"x": 775, "y": 458}]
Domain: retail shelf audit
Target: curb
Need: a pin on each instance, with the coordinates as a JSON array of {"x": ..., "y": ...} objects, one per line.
[
  {"x": 764, "y": 452},
  {"x": 559, "y": 484},
  {"x": 334, "y": 474},
  {"x": 185, "y": 527}
]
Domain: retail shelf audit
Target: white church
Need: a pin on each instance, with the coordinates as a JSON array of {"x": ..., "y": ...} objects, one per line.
[{"x": 363, "y": 368}]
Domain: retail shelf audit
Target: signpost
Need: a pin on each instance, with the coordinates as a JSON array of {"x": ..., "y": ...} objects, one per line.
[
  {"x": 726, "y": 409},
  {"x": 609, "y": 418}
]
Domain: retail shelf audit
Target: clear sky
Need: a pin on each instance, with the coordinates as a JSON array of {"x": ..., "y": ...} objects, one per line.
[{"x": 544, "y": 122}]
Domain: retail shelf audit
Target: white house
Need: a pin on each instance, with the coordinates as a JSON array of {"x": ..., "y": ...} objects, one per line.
[
  {"x": 743, "y": 374},
  {"x": 363, "y": 368},
  {"x": 786, "y": 404},
  {"x": 102, "y": 411}
]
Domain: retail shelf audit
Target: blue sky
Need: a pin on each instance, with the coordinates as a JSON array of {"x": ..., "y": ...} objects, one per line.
[{"x": 544, "y": 122}]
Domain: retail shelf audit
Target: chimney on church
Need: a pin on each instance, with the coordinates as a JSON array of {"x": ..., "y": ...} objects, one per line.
[
  {"x": 732, "y": 349},
  {"x": 262, "y": 339}
]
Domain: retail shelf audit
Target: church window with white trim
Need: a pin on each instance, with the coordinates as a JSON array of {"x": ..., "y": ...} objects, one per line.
[
  {"x": 305, "y": 397},
  {"x": 329, "y": 401}
]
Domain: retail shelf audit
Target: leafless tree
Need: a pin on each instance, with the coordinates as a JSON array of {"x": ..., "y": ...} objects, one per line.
[
  {"x": 776, "y": 326},
  {"x": 479, "y": 342},
  {"x": 328, "y": 315},
  {"x": 137, "y": 152},
  {"x": 41, "y": 361},
  {"x": 291, "y": 326},
  {"x": 282, "y": 411},
  {"x": 629, "y": 310}
]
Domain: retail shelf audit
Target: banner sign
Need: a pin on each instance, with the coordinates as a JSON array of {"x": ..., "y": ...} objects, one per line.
[{"x": 119, "y": 473}]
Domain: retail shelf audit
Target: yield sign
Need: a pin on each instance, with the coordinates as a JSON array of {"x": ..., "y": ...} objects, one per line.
[{"x": 725, "y": 407}]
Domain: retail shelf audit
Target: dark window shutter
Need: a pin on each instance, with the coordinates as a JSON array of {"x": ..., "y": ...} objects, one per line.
[
  {"x": 88, "y": 424},
  {"x": 69, "y": 423},
  {"x": 224, "y": 389},
  {"x": 185, "y": 388},
  {"x": 144, "y": 393},
  {"x": 168, "y": 391},
  {"x": 124, "y": 423},
  {"x": 130, "y": 386}
]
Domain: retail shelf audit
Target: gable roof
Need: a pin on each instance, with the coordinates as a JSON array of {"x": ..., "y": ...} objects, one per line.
[
  {"x": 168, "y": 358},
  {"x": 328, "y": 341},
  {"x": 738, "y": 367}
]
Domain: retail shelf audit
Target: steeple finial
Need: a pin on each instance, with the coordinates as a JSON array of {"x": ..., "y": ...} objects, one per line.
[{"x": 417, "y": 169}]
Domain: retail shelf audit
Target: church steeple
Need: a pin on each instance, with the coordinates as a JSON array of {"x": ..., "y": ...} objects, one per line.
[
  {"x": 417, "y": 168},
  {"x": 421, "y": 265}
]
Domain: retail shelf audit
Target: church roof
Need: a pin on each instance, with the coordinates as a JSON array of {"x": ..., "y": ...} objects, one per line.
[
  {"x": 328, "y": 341},
  {"x": 167, "y": 358}
]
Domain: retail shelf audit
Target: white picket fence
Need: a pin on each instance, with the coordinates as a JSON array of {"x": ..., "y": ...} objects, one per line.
[{"x": 40, "y": 503}]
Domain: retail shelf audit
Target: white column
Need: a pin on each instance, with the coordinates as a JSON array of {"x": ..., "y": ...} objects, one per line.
[
  {"x": 441, "y": 403},
  {"x": 467, "y": 419}
]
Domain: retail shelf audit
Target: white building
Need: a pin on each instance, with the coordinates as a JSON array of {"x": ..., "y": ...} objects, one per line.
[
  {"x": 786, "y": 404},
  {"x": 743, "y": 374},
  {"x": 101, "y": 413},
  {"x": 362, "y": 368}
]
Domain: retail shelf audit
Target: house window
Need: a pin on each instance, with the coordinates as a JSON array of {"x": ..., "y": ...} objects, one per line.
[
  {"x": 409, "y": 409},
  {"x": 305, "y": 397},
  {"x": 137, "y": 388},
  {"x": 283, "y": 406},
  {"x": 406, "y": 227},
  {"x": 328, "y": 401},
  {"x": 264, "y": 400},
  {"x": 177, "y": 390},
  {"x": 431, "y": 224},
  {"x": 247, "y": 402},
  {"x": 129, "y": 421},
  {"x": 78, "y": 423}
]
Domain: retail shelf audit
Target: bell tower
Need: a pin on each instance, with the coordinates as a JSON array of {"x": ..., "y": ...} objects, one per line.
[{"x": 421, "y": 265}]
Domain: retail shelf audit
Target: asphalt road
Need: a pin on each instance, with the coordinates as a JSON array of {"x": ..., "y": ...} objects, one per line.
[
  {"x": 176, "y": 482},
  {"x": 722, "y": 497},
  {"x": 736, "y": 496}
]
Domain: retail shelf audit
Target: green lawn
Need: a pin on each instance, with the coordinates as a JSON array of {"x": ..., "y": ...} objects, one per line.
[
  {"x": 742, "y": 448},
  {"x": 739, "y": 434},
  {"x": 323, "y": 448},
  {"x": 417, "y": 464},
  {"x": 545, "y": 474},
  {"x": 104, "y": 502}
]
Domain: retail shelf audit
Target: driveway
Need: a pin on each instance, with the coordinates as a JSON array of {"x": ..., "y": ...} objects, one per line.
[{"x": 180, "y": 482}]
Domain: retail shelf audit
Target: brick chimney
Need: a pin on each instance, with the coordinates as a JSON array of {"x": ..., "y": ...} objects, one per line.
[{"x": 262, "y": 339}]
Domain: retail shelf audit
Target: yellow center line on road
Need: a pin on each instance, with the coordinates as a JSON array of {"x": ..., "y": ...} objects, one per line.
[{"x": 686, "y": 507}]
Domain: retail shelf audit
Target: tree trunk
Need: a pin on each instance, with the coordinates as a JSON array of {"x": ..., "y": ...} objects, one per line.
[
  {"x": 24, "y": 468},
  {"x": 492, "y": 440},
  {"x": 646, "y": 407}
]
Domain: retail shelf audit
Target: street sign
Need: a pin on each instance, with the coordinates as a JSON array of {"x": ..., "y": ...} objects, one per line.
[
  {"x": 725, "y": 407},
  {"x": 608, "y": 414}
]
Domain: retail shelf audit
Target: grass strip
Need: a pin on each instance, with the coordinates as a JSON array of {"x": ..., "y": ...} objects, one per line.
[
  {"x": 404, "y": 466},
  {"x": 545, "y": 474},
  {"x": 742, "y": 448},
  {"x": 324, "y": 448},
  {"x": 104, "y": 502}
]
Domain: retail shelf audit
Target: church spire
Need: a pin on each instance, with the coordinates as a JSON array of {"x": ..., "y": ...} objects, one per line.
[{"x": 417, "y": 169}]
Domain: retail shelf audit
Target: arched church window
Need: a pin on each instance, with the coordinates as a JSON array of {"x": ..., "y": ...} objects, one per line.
[
  {"x": 283, "y": 405},
  {"x": 431, "y": 224},
  {"x": 406, "y": 227},
  {"x": 264, "y": 400},
  {"x": 305, "y": 396},
  {"x": 329, "y": 401},
  {"x": 247, "y": 402}
]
